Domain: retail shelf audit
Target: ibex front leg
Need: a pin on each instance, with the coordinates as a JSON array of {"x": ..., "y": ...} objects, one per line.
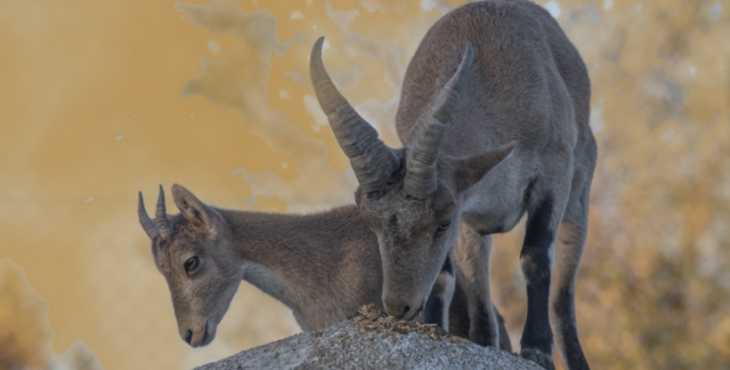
[
  {"x": 439, "y": 301},
  {"x": 471, "y": 254}
]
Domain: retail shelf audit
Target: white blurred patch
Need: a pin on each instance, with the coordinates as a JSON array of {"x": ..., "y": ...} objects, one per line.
[
  {"x": 580, "y": 13},
  {"x": 296, "y": 15},
  {"x": 708, "y": 260},
  {"x": 667, "y": 135},
  {"x": 257, "y": 28},
  {"x": 442, "y": 6},
  {"x": 314, "y": 110},
  {"x": 344, "y": 80},
  {"x": 607, "y": 4},
  {"x": 298, "y": 77},
  {"x": 714, "y": 11},
  {"x": 343, "y": 18},
  {"x": 89, "y": 199},
  {"x": 723, "y": 189},
  {"x": 596, "y": 120},
  {"x": 213, "y": 46},
  {"x": 638, "y": 7},
  {"x": 325, "y": 46},
  {"x": 384, "y": 6},
  {"x": 300, "y": 200},
  {"x": 283, "y": 94},
  {"x": 692, "y": 70},
  {"x": 284, "y": 165},
  {"x": 553, "y": 7},
  {"x": 78, "y": 356},
  {"x": 119, "y": 137},
  {"x": 347, "y": 80},
  {"x": 380, "y": 116}
]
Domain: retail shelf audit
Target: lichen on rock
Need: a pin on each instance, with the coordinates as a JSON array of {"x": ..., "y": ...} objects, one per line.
[{"x": 371, "y": 318}]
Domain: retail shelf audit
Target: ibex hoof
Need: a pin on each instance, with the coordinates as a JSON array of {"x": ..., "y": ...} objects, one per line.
[{"x": 543, "y": 359}]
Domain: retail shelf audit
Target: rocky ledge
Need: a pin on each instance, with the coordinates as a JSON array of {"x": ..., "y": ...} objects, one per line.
[{"x": 371, "y": 340}]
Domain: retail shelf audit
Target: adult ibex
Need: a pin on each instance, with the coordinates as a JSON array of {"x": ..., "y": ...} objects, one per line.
[
  {"x": 323, "y": 266},
  {"x": 494, "y": 117}
]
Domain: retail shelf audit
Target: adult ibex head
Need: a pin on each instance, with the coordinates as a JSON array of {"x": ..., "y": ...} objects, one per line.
[
  {"x": 407, "y": 196},
  {"x": 193, "y": 253}
]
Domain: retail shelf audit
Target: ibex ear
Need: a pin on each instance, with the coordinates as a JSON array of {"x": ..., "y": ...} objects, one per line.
[
  {"x": 200, "y": 216},
  {"x": 470, "y": 170}
]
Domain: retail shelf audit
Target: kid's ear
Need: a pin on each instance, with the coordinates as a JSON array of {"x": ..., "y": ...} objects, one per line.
[
  {"x": 200, "y": 216},
  {"x": 470, "y": 170}
]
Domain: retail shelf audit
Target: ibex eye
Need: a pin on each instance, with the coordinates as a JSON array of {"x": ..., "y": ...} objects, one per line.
[
  {"x": 191, "y": 264},
  {"x": 443, "y": 226}
]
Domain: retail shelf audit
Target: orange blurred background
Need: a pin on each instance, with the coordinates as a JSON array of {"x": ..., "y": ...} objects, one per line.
[{"x": 101, "y": 99}]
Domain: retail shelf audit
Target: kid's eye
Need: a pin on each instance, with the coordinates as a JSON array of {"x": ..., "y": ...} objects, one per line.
[{"x": 191, "y": 264}]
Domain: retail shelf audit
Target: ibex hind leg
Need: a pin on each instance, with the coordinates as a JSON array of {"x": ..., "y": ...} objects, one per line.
[
  {"x": 439, "y": 301},
  {"x": 471, "y": 255},
  {"x": 568, "y": 249}
]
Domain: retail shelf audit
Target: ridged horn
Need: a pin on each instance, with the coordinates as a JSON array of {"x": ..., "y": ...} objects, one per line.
[
  {"x": 144, "y": 219},
  {"x": 425, "y": 136},
  {"x": 372, "y": 161},
  {"x": 163, "y": 224}
]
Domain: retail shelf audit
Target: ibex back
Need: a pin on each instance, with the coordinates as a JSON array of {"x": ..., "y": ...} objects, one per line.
[
  {"x": 322, "y": 266},
  {"x": 494, "y": 117}
]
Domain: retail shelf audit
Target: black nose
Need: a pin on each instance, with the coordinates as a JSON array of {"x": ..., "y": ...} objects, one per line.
[{"x": 189, "y": 336}]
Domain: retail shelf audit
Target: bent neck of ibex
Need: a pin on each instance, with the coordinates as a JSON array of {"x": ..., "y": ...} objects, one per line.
[{"x": 302, "y": 260}]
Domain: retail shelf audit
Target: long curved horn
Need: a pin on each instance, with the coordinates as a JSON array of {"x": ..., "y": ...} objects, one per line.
[
  {"x": 144, "y": 219},
  {"x": 372, "y": 161},
  {"x": 425, "y": 137},
  {"x": 163, "y": 224}
]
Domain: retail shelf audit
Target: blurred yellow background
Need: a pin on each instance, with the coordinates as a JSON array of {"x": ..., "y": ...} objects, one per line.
[{"x": 101, "y": 99}]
